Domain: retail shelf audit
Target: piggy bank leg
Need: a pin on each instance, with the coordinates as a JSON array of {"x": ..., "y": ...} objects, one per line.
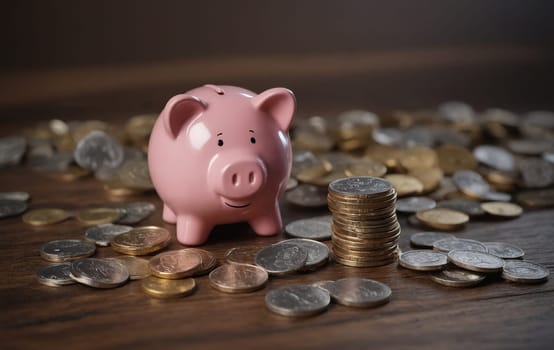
[
  {"x": 268, "y": 223},
  {"x": 168, "y": 215},
  {"x": 192, "y": 230}
]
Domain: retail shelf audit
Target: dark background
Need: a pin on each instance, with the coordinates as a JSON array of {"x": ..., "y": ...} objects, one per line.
[{"x": 101, "y": 56}]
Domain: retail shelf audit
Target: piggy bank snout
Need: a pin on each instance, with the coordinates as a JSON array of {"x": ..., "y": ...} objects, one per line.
[{"x": 241, "y": 179}]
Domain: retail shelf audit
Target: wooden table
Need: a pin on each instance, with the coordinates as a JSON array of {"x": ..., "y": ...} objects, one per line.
[{"x": 421, "y": 314}]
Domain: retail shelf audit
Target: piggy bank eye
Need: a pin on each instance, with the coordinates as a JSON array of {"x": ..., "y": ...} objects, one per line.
[
  {"x": 220, "y": 142},
  {"x": 252, "y": 140}
]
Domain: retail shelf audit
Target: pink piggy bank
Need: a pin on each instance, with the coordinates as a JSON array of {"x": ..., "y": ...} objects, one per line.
[{"x": 221, "y": 154}]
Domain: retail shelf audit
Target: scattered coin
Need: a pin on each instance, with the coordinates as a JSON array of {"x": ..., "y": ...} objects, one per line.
[
  {"x": 47, "y": 216},
  {"x": 405, "y": 185},
  {"x": 419, "y": 157},
  {"x": 242, "y": 255},
  {"x": 135, "y": 212},
  {"x": 134, "y": 174},
  {"x": 307, "y": 196},
  {"x": 141, "y": 240},
  {"x": 99, "y": 273},
  {"x": 455, "y": 277},
  {"x": 504, "y": 250},
  {"x": 414, "y": 204},
  {"x": 55, "y": 275},
  {"x": 12, "y": 150},
  {"x": 98, "y": 216},
  {"x": 164, "y": 288},
  {"x": 502, "y": 209},
  {"x": 10, "y": 207},
  {"x": 494, "y": 157},
  {"x": 235, "y": 278},
  {"x": 366, "y": 167},
  {"x": 471, "y": 183},
  {"x": 475, "y": 260},
  {"x": 137, "y": 267},
  {"x": 66, "y": 250},
  {"x": 318, "y": 253},
  {"x": 471, "y": 208},
  {"x": 427, "y": 239},
  {"x": 103, "y": 234},
  {"x": 15, "y": 196},
  {"x": 282, "y": 258},
  {"x": 208, "y": 261},
  {"x": 536, "y": 199},
  {"x": 423, "y": 260},
  {"x": 297, "y": 300},
  {"x": 98, "y": 150},
  {"x": 448, "y": 244},
  {"x": 317, "y": 228},
  {"x": 359, "y": 292},
  {"x": 175, "y": 264},
  {"x": 291, "y": 183},
  {"x": 442, "y": 219},
  {"x": 524, "y": 272},
  {"x": 453, "y": 158},
  {"x": 536, "y": 172}
]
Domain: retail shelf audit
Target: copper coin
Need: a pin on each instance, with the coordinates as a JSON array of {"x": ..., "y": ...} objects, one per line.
[{"x": 235, "y": 278}]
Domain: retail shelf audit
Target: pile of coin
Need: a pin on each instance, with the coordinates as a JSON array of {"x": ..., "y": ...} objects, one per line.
[
  {"x": 292, "y": 255},
  {"x": 365, "y": 228},
  {"x": 464, "y": 262}
]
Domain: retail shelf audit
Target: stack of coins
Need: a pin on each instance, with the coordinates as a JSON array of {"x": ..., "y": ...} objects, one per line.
[{"x": 365, "y": 229}]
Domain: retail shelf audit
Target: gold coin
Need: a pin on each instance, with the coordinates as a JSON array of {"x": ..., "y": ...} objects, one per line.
[
  {"x": 164, "y": 288},
  {"x": 137, "y": 267},
  {"x": 388, "y": 155},
  {"x": 208, "y": 261},
  {"x": 116, "y": 188},
  {"x": 135, "y": 174},
  {"x": 141, "y": 240},
  {"x": 543, "y": 198},
  {"x": 335, "y": 174},
  {"x": 405, "y": 185},
  {"x": 312, "y": 173},
  {"x": 442, "y": 218},
  {"x": 430, "y": 178},
  {"x": 139, "y": 127},
  {"x": 353, "y": 144},
  {"x": 366, "y": 167},
  {"x": 418, "y": 157},
  {"x": 238, "y": 278},
  {"x": 453, "y": 158},
  {"x": 291, "y": 183},
  {"x": 98, "y": 216},
  {"x": 47, "y": 216},
  {"x": 72, "y": 173},
  {"x": 502, "y": 209},
  {"x": 175, "y": 264}
]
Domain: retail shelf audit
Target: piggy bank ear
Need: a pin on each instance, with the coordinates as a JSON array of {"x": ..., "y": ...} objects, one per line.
[
  {"x": 179, "y": 110},
  {"x": 278, "y": 103}
]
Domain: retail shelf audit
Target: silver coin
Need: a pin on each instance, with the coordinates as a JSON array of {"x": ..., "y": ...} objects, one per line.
[
  {"x": 504, "y": 250},
  {"x": 495, "y": 157},
  {"x": 56, "y": 162},
  {"x": 496, "y": 196},
  {"x": 423, "y": 260},
  {"x": 12, "y": 150},
  {"x": 55, "y": 275},
  {"x": 471, "y": 183},
  {"x": 457, "y": 112},
  {"x": 318, "y": 253},
  {"x": 308, "y": 196},
  {"x": 475, "y": 261},
  {"x": 9, "y": 207},
  {"x": 537, "y": 124},
  {"x": 97, "y": 150},
  {"x": 99, "y": 273},
  {"x": 323, "y": 284},
  {"x": 297, "y": 300},
  {"x": 448, "y": 136},
  {"x": 536, "y": 172},
  {"x": 388, "y": 136},
  {"x": 530, "y": 147},
  {"x": 418, "y": 136},
  {"x": 318, "y": 228},
  {"x": 15, "y": 196},
  {"x": 66, "y": 250},
  {"x": 359, "y": 292},
  {"x": 471, "y": 208},
  {"x": 414, "y": 204},
  {"x": 548, "y": 156},
  {"x": 524, "y": 272},
  {"x": 103, "y": 234},
  {"x": 427, "y": 239},
  {"x": 360, "y": 186},
  {"x": 455, "y": 277},
  {"x": 282, "y": 258},
  {"x": 135, "y": 212},
  {"x": 448, "y": 244},
  {"x": 303, "y": 160}
]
